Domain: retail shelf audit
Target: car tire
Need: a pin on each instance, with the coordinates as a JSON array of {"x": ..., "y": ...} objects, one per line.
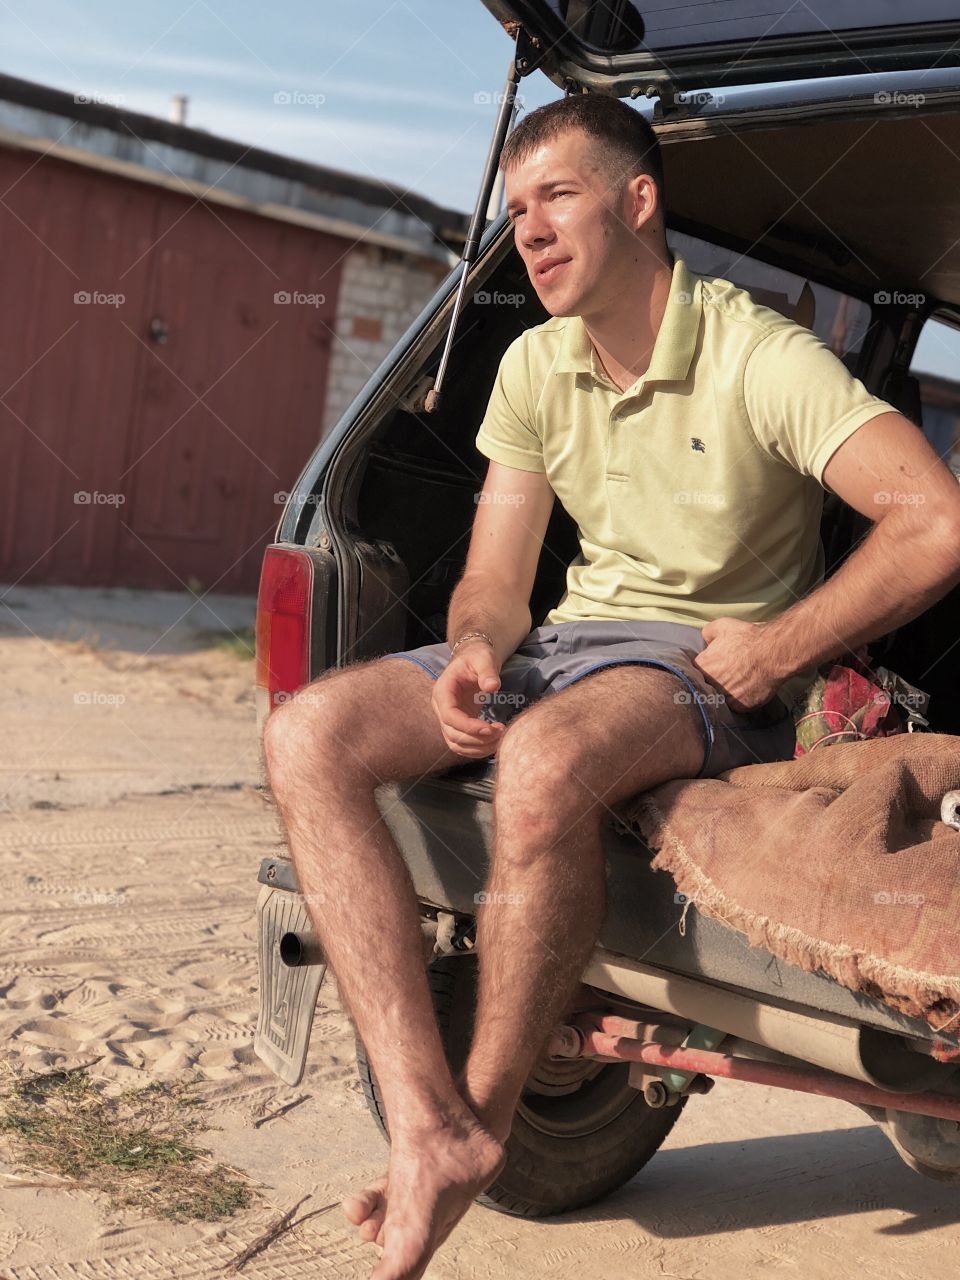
[{"x": 580, "y": 1131}]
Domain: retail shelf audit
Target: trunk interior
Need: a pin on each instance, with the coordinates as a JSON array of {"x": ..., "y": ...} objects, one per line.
[
  {"x": 413, "y": 490},
  {"x": 416, "y": 489}
]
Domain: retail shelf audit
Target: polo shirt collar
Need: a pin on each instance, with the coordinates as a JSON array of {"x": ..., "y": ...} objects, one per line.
[{"x": 674, "y": 345}]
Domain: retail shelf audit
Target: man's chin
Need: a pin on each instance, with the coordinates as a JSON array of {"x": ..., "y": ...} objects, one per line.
[{"x": 559, "y": 307}]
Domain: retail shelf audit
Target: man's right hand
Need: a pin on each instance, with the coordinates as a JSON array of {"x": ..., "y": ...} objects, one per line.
[{"x": 473, "y": 670}]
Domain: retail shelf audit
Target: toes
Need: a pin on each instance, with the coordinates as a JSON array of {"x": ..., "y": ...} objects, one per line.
[
  {"x": 358, "y": 1208},
  {"x": 405, "y": 1258},
  {"x": 372, "y": 1228}
]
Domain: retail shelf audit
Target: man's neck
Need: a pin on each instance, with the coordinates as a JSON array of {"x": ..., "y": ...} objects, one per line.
[{"x": 624, "y": 335}]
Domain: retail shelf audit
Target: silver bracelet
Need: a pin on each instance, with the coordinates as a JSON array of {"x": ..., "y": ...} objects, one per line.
[{"x": 471, "y": 635}]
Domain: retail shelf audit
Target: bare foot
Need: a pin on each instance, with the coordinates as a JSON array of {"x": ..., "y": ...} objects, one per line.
[{"x": 433, "y": 1177}]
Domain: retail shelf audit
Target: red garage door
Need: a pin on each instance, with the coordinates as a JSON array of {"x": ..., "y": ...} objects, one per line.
[{"x": 155, "y": 394}]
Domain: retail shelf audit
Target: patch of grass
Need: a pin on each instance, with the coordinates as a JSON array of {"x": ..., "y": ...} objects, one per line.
[
  {"x": 80, "y": 641},
  {"x": 136, "y": 1147},
  {"x": 241, "y": 642}
]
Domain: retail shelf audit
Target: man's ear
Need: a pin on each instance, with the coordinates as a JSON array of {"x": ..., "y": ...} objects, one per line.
[{"x": 643, "y": 200}]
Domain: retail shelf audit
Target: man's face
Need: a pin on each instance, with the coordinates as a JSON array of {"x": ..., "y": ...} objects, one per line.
[{"x": 574, "y": 226}]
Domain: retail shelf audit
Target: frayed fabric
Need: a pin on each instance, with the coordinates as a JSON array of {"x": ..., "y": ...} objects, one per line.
[{"x": 836, "y": 862}]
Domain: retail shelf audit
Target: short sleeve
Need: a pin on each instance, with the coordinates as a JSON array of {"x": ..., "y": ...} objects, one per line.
[
  {"x": 508, "y": 431},
  {"x": 802, "y": 401}
]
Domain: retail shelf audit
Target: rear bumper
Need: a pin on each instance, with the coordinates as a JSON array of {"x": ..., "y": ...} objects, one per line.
[{"x": 443, "y": 827}]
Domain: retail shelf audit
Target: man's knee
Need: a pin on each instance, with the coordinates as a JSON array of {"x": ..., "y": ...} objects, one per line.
[
  {"x": 308, "y": 731},
  {"x": 540, "y": 791}
]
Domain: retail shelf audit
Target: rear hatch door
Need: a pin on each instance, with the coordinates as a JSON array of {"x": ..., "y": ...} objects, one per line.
[{"x": 656, "y": 45}]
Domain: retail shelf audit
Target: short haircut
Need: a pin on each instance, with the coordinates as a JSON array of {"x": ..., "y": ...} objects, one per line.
[{"x": 626, "y": 144}]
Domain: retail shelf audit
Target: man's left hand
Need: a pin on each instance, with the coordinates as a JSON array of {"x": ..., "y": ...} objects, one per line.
[{"x": 738, "y": 662}]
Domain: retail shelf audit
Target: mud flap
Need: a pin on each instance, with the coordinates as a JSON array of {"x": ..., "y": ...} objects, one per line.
[{"x": 288, "y": 995}]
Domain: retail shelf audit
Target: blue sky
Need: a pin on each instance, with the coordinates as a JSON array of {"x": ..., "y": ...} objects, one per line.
[
  {"x": 398, "y": 90},
  {"x": 385, "y": 88}
]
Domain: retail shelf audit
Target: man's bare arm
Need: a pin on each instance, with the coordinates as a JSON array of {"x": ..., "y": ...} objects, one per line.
[
  {"x": 911, "y": 558},
  {"x": 493, "y": 594}
]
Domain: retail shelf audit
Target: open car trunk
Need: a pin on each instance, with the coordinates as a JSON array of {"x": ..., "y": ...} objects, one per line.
[
  {"x": 392, "y": 496},
  {"x": 412, "y": 483},
  {"x": 625, "y": 46}
]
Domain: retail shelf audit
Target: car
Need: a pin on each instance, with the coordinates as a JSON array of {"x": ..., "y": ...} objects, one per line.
[{"x": 815, "y": 168}]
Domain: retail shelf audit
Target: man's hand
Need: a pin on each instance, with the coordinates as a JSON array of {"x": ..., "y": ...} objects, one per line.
[
  {"x": 457, "y": 700},
  {"x": 737, "y": 660}
]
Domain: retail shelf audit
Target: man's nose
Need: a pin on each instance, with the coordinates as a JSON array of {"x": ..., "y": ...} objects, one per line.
[{"x": 536, "y": 230}]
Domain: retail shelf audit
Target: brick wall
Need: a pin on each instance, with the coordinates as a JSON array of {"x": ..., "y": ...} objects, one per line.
[{"x": 381, "y": 291}]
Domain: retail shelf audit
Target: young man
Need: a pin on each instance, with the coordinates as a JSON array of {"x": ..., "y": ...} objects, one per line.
[{"x": 689, "y": 432}]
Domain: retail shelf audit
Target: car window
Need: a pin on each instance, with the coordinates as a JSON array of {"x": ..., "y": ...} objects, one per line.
[
  {"x": 936, "y": 366},
  {"x": 836, "y": 318}
]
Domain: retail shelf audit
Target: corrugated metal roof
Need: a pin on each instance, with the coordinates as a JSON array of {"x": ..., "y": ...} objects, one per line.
[{"x": 193, "y": 161}]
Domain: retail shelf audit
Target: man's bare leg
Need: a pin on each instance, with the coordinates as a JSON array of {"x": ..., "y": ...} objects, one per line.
[
  {"x": 327, "y": 751},
  {"x": 561, "y": 765}
]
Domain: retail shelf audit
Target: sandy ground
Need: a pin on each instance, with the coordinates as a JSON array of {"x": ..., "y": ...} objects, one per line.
[{"x": 131, "y": 829}]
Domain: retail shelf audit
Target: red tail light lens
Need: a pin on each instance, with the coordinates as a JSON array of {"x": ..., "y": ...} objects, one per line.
[{"x": 283, "y": 621}]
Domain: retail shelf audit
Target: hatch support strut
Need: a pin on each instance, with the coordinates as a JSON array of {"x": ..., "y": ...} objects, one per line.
[{"x": 521, "y": 62}]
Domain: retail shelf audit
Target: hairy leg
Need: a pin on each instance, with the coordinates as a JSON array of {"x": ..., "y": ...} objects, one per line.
[
  {"x": 327, "y": 750},
  {"x": 561, "y": 766}
]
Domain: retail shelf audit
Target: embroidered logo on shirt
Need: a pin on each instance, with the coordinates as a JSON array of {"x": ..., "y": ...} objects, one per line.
[{"x": 697, "y": 444}]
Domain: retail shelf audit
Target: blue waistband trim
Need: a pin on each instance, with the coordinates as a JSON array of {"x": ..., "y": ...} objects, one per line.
[{"x": 408, "y": 657}]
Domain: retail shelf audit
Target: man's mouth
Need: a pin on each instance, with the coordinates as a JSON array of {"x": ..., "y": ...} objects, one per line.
[{"x": 546, "y": 271}]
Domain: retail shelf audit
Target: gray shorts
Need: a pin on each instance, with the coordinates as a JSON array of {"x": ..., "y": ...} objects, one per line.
[{"x": 557, "y": 655}]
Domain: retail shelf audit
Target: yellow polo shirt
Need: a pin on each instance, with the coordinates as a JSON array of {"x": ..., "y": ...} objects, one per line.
[{"x": 697, "y": 492}]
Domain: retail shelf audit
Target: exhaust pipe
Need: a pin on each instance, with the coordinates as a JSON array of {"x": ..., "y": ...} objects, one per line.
[
  {"x": 298, "y": 949},
  {"x": 824, "y": 1039}
]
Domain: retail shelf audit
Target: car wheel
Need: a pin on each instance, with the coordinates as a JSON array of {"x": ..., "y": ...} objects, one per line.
[{"x": 580, "y": 1131}]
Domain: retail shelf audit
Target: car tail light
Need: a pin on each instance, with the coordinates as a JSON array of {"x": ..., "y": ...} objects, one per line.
[{"x": 284, "y": 607}]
